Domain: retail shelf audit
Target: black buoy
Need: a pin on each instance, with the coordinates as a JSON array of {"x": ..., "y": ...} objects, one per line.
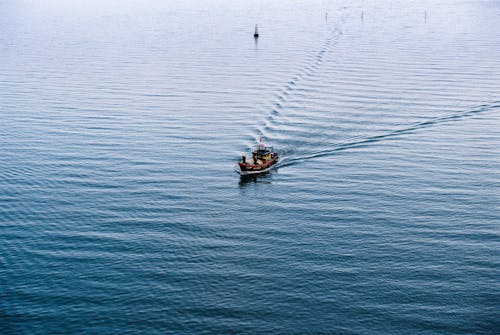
[{"x": 256, "y": 33}]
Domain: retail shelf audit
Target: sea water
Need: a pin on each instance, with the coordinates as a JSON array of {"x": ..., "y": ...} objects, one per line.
[{"x": 121, "y": 123}]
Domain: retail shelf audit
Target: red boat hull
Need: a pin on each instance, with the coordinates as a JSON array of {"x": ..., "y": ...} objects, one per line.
[{"x": 247, "y": 168}]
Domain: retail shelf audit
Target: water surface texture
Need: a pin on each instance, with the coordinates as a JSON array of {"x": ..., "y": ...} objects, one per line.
[{"x": 120, "y": 126}]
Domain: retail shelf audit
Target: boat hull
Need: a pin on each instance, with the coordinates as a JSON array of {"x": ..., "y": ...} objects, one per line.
[{"x": 248, "y": 169}]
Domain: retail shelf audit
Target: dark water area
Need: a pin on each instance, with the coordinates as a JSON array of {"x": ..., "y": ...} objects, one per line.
[{"x": 121, "y": 123}]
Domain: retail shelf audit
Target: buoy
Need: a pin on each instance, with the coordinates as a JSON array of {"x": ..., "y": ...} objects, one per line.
[{"x": 256, "y": 33}]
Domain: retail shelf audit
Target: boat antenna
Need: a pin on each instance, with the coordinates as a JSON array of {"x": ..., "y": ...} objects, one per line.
[
  {"x": 256, "y": 33},
  {"x": 261, "y": 143}
]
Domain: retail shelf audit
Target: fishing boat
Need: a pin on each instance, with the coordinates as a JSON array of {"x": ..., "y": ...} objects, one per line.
[{"x": 263, "y": 159}]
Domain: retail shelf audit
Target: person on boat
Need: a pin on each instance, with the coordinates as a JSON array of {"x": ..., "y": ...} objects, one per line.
[{"x": 243, "y": 159}]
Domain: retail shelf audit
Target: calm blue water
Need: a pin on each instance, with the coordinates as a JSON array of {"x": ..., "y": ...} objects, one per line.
[{"x": 120, "y": 125}]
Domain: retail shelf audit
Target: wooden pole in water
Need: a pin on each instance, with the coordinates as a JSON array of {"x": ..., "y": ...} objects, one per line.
[{"x": 256, "y": 33}]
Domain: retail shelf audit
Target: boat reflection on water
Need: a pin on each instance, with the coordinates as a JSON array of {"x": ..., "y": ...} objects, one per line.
[{"x": 264, "y": 177}]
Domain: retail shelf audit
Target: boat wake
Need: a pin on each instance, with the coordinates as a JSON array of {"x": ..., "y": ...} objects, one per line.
[
  {"x": 339, "y": 102},
  {"x": 359, "y": 141},
  {"x": 294, "y": 86}
]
